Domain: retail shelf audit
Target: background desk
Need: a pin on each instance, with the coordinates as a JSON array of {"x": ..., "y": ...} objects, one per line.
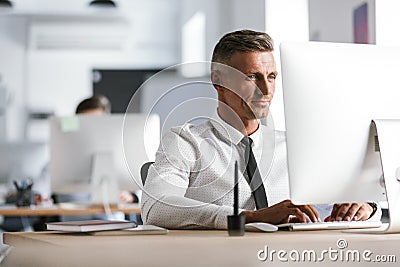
[
  {"x": 66, "y": 210},
  {"x": 184, "y": 248}
]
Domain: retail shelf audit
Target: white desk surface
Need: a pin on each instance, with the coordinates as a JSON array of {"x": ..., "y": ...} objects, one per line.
[{"x": 189, "y": 248}]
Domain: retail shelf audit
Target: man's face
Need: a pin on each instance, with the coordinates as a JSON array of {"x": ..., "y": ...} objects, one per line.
[{"x": 248, "y": 92}]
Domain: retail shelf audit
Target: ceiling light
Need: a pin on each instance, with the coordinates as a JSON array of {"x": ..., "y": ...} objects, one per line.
[
  {"x": 5, "y": 3},
  {"x": 102, "y": 3}
]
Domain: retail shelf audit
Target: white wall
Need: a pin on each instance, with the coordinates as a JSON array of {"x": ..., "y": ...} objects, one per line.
[
  {"x": 56, "y": 80},
  {"x": 60, "y": 79},
  {"x": 223, "y": 16},
  {"x": 284, "y": 24},
  {"x": 248, "y": 14},
  {"x": 13, "y": 72},
  {"x": 387, "y": 22},
  {"x": 332, "y": 21}
]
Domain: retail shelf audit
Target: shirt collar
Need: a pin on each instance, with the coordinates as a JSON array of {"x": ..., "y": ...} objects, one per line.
[
  {"x": 257, "y": 136},
  {"x": 231, "y": 134}
]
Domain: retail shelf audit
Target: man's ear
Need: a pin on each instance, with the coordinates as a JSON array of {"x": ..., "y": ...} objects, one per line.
[{"x": 216, "y": 79}]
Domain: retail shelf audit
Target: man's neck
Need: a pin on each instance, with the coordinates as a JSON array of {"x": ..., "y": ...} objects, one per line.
[{"x": 243, "y": 125}]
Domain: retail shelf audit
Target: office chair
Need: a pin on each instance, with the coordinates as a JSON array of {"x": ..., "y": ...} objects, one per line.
[{"x": 144, "y": 170}]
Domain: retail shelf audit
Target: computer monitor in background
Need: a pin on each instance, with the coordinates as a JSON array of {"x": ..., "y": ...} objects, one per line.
[
  {"x": 332, "y": 92},
  {"x": 87, "y": 153},
  {"x": 21, "y": 161}
]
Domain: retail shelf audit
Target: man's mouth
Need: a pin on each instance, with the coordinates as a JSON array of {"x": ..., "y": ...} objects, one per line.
[{"x": 261, "y": 101}]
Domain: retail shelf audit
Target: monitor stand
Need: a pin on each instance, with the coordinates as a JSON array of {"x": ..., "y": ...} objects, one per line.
[
  {"x": 104, "y": 188},
  {"x": 388, "y": 133}
]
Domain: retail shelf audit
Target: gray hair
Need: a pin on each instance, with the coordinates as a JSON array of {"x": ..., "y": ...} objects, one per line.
[{"x": 241, "y": 41}]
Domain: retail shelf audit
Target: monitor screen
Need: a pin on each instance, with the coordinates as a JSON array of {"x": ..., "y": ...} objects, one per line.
[
  {"x": 87, "y": 148},
  {"x": 22, "y": 160},
  {"x": 119, "y": 85},
  {"x": 332, "y": 92}
]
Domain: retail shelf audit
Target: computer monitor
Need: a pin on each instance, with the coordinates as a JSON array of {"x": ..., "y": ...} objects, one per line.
[
  {"x": 22, "y": 160},
  {"x": 88, "y": 153},
  {"x": 331, "y": 93}
]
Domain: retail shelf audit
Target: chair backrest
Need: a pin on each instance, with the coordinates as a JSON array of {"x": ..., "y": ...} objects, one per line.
[{"x": 144, "y": 170}]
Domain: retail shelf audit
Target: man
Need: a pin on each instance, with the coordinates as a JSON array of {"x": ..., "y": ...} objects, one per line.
[
  {"x": 190, "y": 184},
  {"x": 94, "y": 105}
]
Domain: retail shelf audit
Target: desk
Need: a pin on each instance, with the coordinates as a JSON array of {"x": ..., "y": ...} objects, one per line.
[
  {"x": 189, "y": 248},
  {"x": 66, "y": 210}
]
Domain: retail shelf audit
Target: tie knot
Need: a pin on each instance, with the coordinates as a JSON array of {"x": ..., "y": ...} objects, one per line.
[{"x": 247, "y": 141}]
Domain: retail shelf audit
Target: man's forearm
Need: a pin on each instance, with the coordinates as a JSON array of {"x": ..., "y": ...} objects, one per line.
[{"x": 178, "y": 212}]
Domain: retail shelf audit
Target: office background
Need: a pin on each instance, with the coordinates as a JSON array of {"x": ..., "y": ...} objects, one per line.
[{"x": 48, "y": 48}]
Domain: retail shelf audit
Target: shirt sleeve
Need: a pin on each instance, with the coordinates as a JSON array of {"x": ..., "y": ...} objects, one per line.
[{"x": 164, "y": 201}]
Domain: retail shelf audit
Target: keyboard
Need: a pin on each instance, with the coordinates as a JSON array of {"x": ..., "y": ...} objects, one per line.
[{"x": 329, "y": 225}]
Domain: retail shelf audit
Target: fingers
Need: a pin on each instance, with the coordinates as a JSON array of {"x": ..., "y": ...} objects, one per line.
[
  {"x": 364, "y": 212},
  {"x": 337, "y": 212},
  {"x": 341, "y": 213},
  {"x": 350, "y": 215},
  {"x": 311, "y": 212},
  {"x": 350, "y": 212},
  {"x": 284, "y": 212},
  {"x": 297, "y": 215},
  {"x": 303, "y": 213},
  {"x": 281, "y": 212}
]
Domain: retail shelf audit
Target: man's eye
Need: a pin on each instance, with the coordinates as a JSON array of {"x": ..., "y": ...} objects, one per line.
[
  {"x": 251, "y": 77},
  {"x": 272, "y": 77}
]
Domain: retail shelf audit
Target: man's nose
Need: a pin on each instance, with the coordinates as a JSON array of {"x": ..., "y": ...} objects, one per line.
[{"x": 264, "y": 86}]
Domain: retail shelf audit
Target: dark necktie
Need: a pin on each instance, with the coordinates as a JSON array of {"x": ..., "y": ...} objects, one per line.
[{"x": 254, "y": 176}]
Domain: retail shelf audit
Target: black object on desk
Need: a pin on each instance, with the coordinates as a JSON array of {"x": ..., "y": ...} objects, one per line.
[
  {"x": 24, "y": 195},
  {"x": 236, "y": 221}
]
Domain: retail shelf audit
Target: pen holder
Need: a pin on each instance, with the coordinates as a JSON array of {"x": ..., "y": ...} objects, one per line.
[
  {"x": 24, "y": 194},
  {"x": 236, "y": 225}
]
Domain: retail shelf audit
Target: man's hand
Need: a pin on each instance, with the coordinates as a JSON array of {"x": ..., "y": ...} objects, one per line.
[
  {"x": 283, "y": 212},
  {"x": 350, "y": 212}
]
